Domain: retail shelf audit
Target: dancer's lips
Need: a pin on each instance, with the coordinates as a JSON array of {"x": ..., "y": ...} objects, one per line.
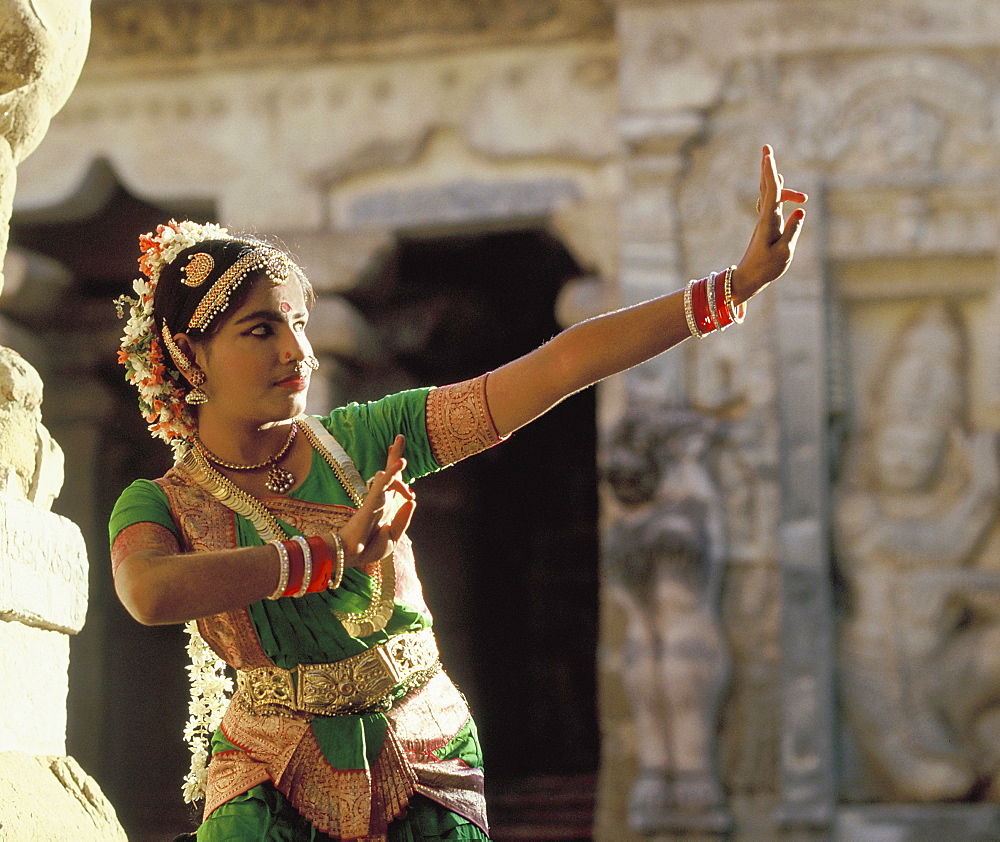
[{"x": 295, "y": 383}]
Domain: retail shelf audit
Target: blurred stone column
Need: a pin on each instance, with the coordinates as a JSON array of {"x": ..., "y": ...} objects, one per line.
[
  {"x": 807, "y": 727},
  {"x": 635, "y": 802},
  {"x": 43, "y": 563}
]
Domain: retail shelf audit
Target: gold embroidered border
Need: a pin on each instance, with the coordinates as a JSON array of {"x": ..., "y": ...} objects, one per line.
[
  {"x": 459, "y": 422},
  {"x": 348, "y": 804},
  {"x": 429, "y": 717},
  {"x": 455, "y": 786},
  {"x": 207, "y": 525},
  {"x": 268, "y": 743},
  {"x": 233, "y": 638},
  {"x": 145, "y": 536},
  {"x": 204, "y": 524},
  {"x": 426, "y": 720},
  {"x": 231, "y": 774}
]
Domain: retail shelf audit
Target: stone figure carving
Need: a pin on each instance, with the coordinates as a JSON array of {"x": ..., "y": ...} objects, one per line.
[
  {"x": 43, "y": 47},
  {"x": 917, "y": 501},
  {"x": 665, "y": 563}
]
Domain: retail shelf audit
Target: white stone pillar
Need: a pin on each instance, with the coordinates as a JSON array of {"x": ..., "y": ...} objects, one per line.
[{"x": 43, "y": 562}]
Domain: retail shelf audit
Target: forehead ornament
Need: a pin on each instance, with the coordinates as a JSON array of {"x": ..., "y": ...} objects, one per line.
[
  {"x": 198, "y": 269},
  {"x": 273, "y": 263}
]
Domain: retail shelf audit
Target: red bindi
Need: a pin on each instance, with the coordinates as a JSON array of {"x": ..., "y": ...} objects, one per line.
[{"x": 285, "y": 307}]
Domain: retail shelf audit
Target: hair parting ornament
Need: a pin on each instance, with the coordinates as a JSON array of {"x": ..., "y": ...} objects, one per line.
[{"x": 153, "y": 362}]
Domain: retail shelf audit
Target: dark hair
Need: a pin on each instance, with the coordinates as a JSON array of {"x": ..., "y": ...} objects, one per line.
[{"x": 174, "y": 302}]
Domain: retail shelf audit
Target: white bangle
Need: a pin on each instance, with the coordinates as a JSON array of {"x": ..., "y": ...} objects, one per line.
[
  {"x": 282, "y": 569},
  {"x": 338, "y": 574},
  {"x": 307, "y": 562},
  {"x": 713, "y": 305}
]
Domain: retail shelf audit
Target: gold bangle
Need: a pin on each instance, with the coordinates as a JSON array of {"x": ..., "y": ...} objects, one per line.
[
  {"x": 338, "y": 573},
  {"x": 739, "y": 313},
  {"x": 689, "y": 309}
]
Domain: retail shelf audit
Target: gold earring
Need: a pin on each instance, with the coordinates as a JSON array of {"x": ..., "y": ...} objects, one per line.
[{"x": 197, "y": 395}]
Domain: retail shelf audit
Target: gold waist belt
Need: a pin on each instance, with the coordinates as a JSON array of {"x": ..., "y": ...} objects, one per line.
[{"x": 364, "y": 682}]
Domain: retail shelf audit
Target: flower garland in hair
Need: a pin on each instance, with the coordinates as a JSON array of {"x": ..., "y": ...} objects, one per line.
[
  {"x": 210, "y": 692},
  {"x": 147, "y": 367},
  {"x": 161, "y": 401}
]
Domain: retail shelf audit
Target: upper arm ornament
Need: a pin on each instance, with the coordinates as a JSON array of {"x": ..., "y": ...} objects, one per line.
[
  {"x": 459, "y": 422},
  {"x": 145, "y": 537}
]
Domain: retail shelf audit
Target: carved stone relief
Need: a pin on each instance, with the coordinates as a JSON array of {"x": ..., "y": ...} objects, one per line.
[
  {"x": 43, "y": 53},
  {"x": 895, "y": 117},
  {"x": 665, "y": 562},
  {"x": 173, "y": 31},
  {"x": 917, "y": 501}
]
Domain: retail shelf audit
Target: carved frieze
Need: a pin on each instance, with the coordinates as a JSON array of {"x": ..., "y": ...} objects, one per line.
[{"x": 176, "y": 30}]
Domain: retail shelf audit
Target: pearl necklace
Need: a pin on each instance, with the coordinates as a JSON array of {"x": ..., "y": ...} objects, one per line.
[{"x": 278, "y": 479}]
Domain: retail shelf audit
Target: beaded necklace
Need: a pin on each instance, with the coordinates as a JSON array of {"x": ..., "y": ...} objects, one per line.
[{"x": 278, "y": 479}]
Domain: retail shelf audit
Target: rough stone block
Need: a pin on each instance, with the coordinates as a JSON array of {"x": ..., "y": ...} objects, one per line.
[
  {"x": 42, "y": 583},
  {"x": 34, "y": 674},
  {"x": 52, "y": 798}
]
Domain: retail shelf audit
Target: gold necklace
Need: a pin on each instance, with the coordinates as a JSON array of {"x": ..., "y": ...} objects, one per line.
[
  {"x": 278, "y": 479},
  {"x": 379, "y": 610},
  {"x": 356, "y": 623}
]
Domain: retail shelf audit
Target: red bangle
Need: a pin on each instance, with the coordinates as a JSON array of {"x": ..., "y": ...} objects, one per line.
[
  {"x": 322, "y": 564},
  {"x": 721, "y": 310},
  {"x": 296, "y": 567},
  {"x": 702, "y": 316}
]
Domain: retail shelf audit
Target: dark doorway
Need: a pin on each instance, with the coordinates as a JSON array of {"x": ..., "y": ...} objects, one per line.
[{"x": 506, "y": 541}]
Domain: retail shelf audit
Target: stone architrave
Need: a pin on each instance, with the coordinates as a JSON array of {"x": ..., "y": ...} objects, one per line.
[
  {"x": 664, "y": 560},
  {"x": 43, "y": 563}
]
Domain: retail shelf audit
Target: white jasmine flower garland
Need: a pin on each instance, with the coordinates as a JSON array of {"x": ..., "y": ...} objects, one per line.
[
  {"x": 147, "y": 366},
  {"x": 161, "y": 401}
]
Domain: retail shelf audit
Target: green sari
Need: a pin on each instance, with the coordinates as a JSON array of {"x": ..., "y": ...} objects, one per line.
[{"x": 412, "y": 773}]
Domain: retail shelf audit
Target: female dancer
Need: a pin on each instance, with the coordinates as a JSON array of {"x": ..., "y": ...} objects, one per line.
[{"x": 284, "y": 535}]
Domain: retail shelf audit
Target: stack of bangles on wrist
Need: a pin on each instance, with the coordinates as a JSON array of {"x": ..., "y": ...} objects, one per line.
[
  {"x": 307, "y": 566},
  {"x": 708, "y": 304}
]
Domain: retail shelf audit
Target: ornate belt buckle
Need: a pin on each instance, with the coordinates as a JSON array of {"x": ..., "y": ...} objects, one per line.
[
  {"x": 265, "y": 686},
  {"x": 389, "y": 664}
]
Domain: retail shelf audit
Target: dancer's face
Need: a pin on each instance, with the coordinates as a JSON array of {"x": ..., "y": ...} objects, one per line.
[{"x": 250, "y": 360}]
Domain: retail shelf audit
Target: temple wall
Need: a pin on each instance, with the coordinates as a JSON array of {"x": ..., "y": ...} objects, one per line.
[
  {"x": 849, "y": 592},
  {"x": 810, "y": 657}
]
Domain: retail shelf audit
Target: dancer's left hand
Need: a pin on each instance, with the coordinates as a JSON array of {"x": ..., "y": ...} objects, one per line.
[{"x": 772, "y": 243}]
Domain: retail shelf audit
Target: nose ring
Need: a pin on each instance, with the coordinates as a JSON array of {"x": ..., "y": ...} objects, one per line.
[{"x": 306, "y": 363}]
